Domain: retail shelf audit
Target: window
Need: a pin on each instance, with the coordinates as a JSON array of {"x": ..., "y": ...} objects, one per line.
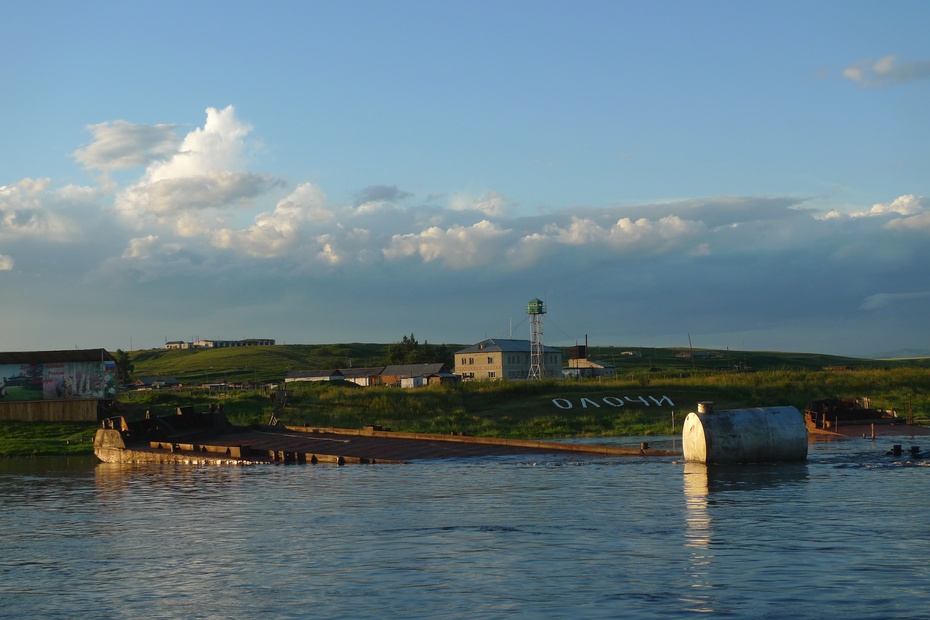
[
  {"x": 463, "y": 361},
  {"x": 471, "y": 360},
  {"x": 490, "y": 360},
  {"x": 492, "y": 374}
]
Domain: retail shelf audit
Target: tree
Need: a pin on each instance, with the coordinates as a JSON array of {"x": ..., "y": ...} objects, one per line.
[
  {"x": 400, "y": 352},
  {"x": 123, "y": 367},
  {"x": 410, "y": 351}
]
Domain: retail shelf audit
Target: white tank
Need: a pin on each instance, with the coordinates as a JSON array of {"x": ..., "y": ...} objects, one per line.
[{"x": 763, "y": 434}]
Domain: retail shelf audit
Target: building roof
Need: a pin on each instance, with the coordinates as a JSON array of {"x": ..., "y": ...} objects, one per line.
[
  {"x": 414, "y": 370},
  {"x": 56, "y": 357},
  {"x": 355, "y": 373},
  {"x": 505, "y": 346},
  {"x": 310, "y": 374}
]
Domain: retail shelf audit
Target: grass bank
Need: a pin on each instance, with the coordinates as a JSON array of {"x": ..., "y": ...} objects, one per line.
[{"x": 18, "y": 439}]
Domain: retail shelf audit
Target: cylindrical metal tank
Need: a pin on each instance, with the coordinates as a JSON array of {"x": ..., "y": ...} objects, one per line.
[{"x": 759, "y": 435}]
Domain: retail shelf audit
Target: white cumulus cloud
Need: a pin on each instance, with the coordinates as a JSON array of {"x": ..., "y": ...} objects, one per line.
[
  {"x": 666, "y": 230},
  {"x": 215, "y": 188},
  {"x": 458, "y": 247},
  {"x": 121, "y": 144},
  {"x": 902, "y": 205},
  {"x": 218, "y": 145},
  {"x": 206, "y": 171},
  {"x": 277, "y": 232},
  {"x": 625, "y": 232},
  {"x": 904, "y": 212},
  {"x": 30, "y": 208},
  {"x": 6, "y": 262},
  {"x": 626, "y": 236}
]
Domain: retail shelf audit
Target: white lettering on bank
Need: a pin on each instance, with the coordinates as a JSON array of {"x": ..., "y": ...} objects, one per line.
[{"x": 615, "y": 401}]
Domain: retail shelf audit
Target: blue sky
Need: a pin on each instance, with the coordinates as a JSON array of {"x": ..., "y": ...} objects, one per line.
[{"x": 751, "y": 174}]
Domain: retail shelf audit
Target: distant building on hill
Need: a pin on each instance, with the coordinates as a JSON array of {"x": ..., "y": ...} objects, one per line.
[{"x": 219, "y": 344}]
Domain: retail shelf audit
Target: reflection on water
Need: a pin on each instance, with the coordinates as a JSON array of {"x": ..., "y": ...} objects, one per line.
[
  {"x": 701, "y": 482},
  {"x": 555, "y": 536},
  {"x": 698, "y": 536}
]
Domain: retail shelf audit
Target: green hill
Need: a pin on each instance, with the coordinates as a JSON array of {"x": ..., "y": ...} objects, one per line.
[
  {"x": 272, "y": 363},
  {"x": 252, "y": 364}
]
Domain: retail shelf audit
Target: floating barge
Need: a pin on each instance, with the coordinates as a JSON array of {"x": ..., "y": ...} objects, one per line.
[
  {"x": 848, "y": 418},
  {"x": 208, "y": 438}
]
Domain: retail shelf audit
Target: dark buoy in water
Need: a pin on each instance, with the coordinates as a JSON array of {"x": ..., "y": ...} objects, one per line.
[{"x": 897, "y": 450}]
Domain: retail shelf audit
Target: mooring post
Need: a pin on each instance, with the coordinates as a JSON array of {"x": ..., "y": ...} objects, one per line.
[{"x": 705, "y": 407}]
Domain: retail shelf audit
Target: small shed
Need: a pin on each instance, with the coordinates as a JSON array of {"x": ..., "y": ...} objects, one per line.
[
  {"x": 393, "y": 375},
  {"x": 363, "y": 377}
]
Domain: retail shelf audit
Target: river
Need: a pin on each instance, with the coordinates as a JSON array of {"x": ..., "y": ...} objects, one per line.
[{"x": 844, "y": 534}]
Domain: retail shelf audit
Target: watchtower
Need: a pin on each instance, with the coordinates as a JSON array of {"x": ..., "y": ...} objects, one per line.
[{"x": 536, "y": 308}]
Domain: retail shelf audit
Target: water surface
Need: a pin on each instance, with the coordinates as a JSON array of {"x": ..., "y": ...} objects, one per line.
[{"x": 844, "y": 534}]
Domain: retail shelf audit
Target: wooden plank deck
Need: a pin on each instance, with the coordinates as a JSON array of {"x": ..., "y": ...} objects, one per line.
[{"x": 333, "y": 445}]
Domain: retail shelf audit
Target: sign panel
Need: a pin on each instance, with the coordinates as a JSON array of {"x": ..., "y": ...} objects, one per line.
[{"x": 57, "y": 381}]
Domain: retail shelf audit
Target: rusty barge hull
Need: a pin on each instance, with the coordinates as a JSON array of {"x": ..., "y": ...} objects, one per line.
[
  {"x": 870, "y": 429},
  {"x": 306, "y": 445}
]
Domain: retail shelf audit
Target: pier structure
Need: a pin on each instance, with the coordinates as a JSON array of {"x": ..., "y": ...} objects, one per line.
[{"x": 190, "y": 437}]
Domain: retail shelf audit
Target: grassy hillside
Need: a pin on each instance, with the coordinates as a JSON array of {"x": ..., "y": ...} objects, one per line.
[
  {"x": 658, "y": 358},
  {"x": 253, "y": 364},
  {"x": 263, "y": 364}
]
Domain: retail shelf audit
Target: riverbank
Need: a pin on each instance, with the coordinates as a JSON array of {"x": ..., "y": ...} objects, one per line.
[
  {"x": 634, "y": 405},
  {"x": 25, "y": 439}
]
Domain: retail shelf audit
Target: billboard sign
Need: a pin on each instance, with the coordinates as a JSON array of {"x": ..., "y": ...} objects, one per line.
[{"x": 57, "y": 381}]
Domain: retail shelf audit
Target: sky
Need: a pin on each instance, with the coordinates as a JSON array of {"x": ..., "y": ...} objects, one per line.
[{"x": 742, "y": 175}]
